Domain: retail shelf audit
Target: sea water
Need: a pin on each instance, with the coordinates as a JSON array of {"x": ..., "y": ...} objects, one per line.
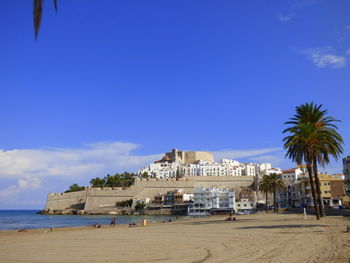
[{"x": 28, "y": 219}]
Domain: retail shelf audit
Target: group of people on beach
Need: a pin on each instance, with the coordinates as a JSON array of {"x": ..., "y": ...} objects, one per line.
[
  {"x": 231, "y": 217},
  {"x": 113, "y": 222}
]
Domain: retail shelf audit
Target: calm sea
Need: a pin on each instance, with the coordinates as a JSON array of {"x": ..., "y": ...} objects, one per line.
[{"x": 28, "y": 219}]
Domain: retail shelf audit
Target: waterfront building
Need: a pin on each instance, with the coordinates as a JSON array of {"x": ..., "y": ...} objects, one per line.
[
  {"x": 173, "y": 202},
  {"x": 212, "y": 200},
  {"x": 158, "y": 200},
  {"x": 176, "y": 197},
  {"x": 298, "y": 194},
  {"x": 245, "y": 201}
]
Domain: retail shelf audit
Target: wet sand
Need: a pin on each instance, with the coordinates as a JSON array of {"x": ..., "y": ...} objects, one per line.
[{"x": 252, "y": 238}]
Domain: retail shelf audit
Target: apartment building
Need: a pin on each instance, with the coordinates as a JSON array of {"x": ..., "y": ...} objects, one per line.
[
  {"x": 245, "y": 201},
  {"x": 290, "y": 176},
  {"x": 299, "y": 194},
  {"x": 212, "y": 200}
]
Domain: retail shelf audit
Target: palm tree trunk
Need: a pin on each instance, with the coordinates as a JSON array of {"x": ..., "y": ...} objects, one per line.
[
  {"x": 313, "y": 192},
  {"x": 267, "y": 207},
  {"x": 318, "y": 191},
  {"x": 274, "y": 200}
]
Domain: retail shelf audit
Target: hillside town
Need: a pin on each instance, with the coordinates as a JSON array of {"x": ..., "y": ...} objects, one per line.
[
  {"x": 192, "y": 183},
  {"x": 177, "y": 163},
  {"x": 204, "y": 201}
]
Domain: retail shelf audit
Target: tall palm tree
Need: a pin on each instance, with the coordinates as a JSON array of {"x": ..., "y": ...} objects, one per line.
[
  {"x": 275, "y": 183},
  {"x": 265, "y": 187},
  {"x": 299, "y": 148},
  {"x": 37, "y": 13},
  {"x": 323, "y": 139}
]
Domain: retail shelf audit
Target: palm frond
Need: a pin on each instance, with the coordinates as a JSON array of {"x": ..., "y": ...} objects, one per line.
[
  {"x": 55, "y": 4},
  {"x": 37, "y": 12}
]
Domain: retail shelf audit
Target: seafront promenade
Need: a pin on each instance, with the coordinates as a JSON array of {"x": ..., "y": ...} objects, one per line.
[{"x": 253, "y": 238}]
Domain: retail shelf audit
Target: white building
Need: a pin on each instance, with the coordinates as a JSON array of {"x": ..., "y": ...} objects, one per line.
[
  {"x": 211, "y": 200},
  {"x": 262, "y": 168},
  {"x": 290, "y": 176},
  {"x": 266, "y": 169},
  {"x": 171, "y": 168},
  {"x": 244, "y": 206},
  {"x": 249, "y": 169},
  {"x": 224, "y": 168},
  {"x": 161, "y": 170}
]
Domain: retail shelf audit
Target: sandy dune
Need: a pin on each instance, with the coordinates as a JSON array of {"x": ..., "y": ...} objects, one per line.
[{"x": 257, "y": 238}]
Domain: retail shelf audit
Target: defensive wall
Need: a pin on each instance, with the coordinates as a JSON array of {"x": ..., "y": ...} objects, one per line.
[{"x": 93, "y": 199}]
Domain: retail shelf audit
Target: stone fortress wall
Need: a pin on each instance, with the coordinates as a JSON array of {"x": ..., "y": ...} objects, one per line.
[{"x": 94, "y": 199}]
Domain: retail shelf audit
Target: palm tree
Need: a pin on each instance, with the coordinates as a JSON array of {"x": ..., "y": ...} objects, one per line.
[
  {"x": 264, "y": 187},
  {"x": 326, "y": 140},
  {"x": 299, "y": 148},
  {"x": 321, "y": 138},
  {"x": 37, "y": 13},
  {"x": 275, "y": 183}
]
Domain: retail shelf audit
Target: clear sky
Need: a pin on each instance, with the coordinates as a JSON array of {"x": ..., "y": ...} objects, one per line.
[{"x": 111, "y": 85}]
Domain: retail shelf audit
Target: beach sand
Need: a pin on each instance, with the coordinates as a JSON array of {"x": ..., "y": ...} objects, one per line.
[{"x": 253, "y": 238}]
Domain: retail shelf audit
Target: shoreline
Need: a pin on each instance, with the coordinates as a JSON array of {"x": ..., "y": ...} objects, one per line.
[
  {"x": 31, "y": 220},
  {"x": 263, "y": 238},
  {"x": 104, "y": 226}
]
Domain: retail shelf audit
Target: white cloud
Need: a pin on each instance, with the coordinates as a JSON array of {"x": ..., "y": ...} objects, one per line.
[
  {"x": 325, "y": 57},
  {"x": 96, "y": 159},
  {"x": 93, "y": 159},
  {"x": 23, "y": 184},
  {"x": 29, "y": 183},
  {"x": 286, "y": 18},
  {"x": 236, "y": 154},
  {"x": 295, "y": 7},
  {"x": 29, "y": 166}
]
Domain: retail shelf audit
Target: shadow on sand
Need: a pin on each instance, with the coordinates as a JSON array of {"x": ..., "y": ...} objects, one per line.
[
  {"x": 222, "y": 221},
  {"x": 280, "y": 226}
]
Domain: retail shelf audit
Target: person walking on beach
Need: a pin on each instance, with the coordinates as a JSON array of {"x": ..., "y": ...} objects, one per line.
[{"x": 113, "y": 221}]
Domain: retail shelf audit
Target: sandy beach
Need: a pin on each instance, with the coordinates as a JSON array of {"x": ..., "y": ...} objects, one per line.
[{"x": 253, "y": 238}]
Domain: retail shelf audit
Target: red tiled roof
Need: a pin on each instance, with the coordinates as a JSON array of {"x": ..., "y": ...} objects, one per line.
[{"x": 289, "y": 170}]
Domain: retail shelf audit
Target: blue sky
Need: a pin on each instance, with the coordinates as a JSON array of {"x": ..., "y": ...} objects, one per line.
[{"x": 110, "y": 86}]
